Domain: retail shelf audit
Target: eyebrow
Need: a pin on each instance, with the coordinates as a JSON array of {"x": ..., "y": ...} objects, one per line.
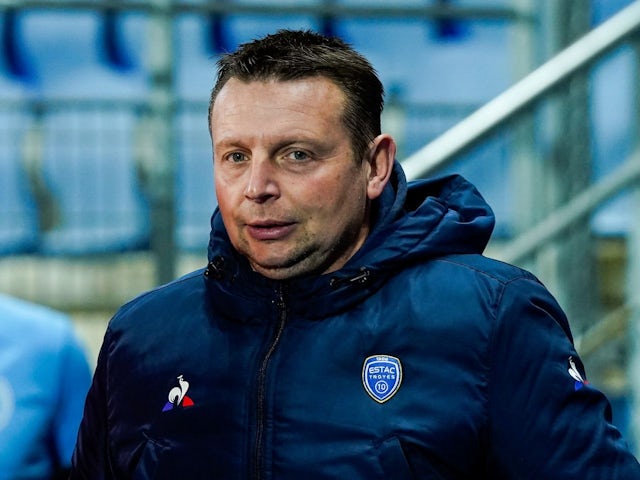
[{"x": 276, "y": 145}]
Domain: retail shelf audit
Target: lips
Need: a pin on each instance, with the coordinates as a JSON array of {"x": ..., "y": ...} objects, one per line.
[{"x": 270, "y": 230}]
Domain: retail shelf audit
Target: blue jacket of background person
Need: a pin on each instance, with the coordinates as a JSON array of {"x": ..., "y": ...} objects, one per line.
[
  {"x": 44, "y": 378},
  {"x": 419, "y": 359}
]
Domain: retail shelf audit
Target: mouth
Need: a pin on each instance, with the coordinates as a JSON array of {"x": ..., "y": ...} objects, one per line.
[{"x": 269, "y": 230}]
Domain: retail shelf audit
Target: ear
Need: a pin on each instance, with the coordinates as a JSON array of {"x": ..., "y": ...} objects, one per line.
[{"x": 382, "y": 155}]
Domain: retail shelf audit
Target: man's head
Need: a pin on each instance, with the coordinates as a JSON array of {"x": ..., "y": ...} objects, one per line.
[
  {"x": 291, "y": 55},
  {"x": 294, "y": 177}
]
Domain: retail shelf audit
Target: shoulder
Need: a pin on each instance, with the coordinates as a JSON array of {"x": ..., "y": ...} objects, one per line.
[
  {"x": 514, "y": 297},
  {"x": 469, "y": 275},
  {"x": 471, "y": 291},
  {"x": 460, "y": 289},
  {"x": 507, "y": 284},
  {"x": 155, "y": 319},
  {"x": 493, "y": 270},
  {"x": 43, "y": 365},
  {"x": 179, "y": 295}
]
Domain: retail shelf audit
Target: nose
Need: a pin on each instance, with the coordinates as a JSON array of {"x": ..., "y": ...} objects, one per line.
[{"x": 262, "y": 183}]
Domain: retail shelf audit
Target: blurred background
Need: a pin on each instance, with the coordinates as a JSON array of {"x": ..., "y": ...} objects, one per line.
[{"x": 105, "y": 161}]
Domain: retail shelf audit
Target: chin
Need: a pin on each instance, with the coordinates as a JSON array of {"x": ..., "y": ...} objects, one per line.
[{"x": 282, "y": 270}]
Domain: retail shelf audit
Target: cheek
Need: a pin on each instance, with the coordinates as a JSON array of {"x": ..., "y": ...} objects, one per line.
[
  {"x": 227, "y": 212},
  {"x": 226, "y": 194},
  {"x": 223, "y": 205},
  {"x": 351, "y": 191},
  {"x": 341, "y": 202}
]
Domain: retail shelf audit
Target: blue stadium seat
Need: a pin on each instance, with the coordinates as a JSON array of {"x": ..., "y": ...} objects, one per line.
[
  {"x": 421, "y": 67},
  {"x": 241, "y": 28},
  {"x": 19, "y": 222},
  {"x": 19, "y": 228},
  {"x": 88, "y": 165},
  {"x": 88, "y": 156},
  {"x": 195, "y": 53}
]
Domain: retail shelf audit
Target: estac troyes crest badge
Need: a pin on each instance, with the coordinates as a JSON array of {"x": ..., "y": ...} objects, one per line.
[{"x": 381, "y": 377}]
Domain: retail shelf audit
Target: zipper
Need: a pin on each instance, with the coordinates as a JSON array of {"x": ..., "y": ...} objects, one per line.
[{"x": 258, "y": 453}]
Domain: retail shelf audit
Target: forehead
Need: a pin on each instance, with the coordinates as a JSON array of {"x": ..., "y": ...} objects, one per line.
[
  {"x": 314, "y": 102},
  {"x": 315, "y": 89}
]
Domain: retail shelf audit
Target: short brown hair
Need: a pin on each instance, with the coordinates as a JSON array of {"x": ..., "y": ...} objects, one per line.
[{"x": 296, "y": 54}]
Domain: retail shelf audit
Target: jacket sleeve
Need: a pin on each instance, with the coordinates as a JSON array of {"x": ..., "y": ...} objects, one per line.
[
  {"x": 545, "y": 419},
  {"x": 90, "y": 459}
]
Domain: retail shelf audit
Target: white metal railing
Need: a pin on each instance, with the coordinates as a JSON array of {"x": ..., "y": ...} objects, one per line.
[
  {"x": 575, "y": 210},
  {"x": 477, "y": 126}
]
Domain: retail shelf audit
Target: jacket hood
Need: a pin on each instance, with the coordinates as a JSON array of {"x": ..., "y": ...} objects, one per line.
[{"x": 411, "y": 222}]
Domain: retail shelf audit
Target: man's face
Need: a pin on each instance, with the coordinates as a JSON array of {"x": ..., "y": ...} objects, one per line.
[{"x": 292, "y": 197}]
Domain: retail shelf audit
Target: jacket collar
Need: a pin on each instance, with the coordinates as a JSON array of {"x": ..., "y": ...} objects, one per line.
[{"x": 410, "y": 224}]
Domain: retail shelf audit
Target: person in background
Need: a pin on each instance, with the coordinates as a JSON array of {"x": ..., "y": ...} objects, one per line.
[
  {"x": 347, "y": 325},
  {"x": 44, "y": 379}
]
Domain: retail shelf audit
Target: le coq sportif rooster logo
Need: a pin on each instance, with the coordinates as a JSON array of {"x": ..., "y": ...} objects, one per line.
[
  {"x": 178, "y": 396},
  {"x": 580, "y": 381}
]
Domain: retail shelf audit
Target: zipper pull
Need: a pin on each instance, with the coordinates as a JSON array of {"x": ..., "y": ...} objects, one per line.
[
  {"x": 214, "y": 268},
  {"x": 360, "y": 278}
]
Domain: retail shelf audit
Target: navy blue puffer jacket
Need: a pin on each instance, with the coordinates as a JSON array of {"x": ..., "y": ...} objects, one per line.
[{"x": 419, "y": 359}]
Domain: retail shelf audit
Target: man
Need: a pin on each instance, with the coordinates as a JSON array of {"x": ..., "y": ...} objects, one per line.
[
  {"x": 347, "y": 325},
  {"x": 44, "y": 378}
]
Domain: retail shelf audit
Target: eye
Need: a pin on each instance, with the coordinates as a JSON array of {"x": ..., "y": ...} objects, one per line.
[
  {"x": 236, "y": 157},
  {"x": 298, "y": 155}
]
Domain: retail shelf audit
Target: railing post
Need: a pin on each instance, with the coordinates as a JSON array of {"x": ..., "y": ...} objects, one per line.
[
  {"x": 162, "y": 167},
  {"x": 632, "y": 293},
  {"x": 633, "y": 299}
]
